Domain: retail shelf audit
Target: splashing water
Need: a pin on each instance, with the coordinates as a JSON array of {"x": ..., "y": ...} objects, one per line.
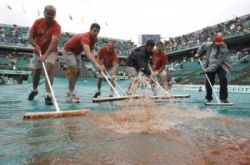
[
  {"x": 144, "y": 116},
  {"x": 206, "y": 133}
]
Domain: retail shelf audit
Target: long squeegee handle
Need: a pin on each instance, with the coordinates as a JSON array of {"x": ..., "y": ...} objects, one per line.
[
  {"x": 209, "y": 82},
  {"x": 50, "y": 86}
]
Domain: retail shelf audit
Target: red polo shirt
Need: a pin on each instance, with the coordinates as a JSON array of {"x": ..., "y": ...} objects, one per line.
[
  {"x": 158, "y": 60},
  {"x": 108, "y": 58},
  {"x": 75, "y": 44},
  {"x": 43, "y": 33}
]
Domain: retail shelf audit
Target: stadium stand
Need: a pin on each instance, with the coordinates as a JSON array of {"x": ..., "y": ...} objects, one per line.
[
  {"x": 182, "y": 66},
  {"x": 181, "y": 49}
]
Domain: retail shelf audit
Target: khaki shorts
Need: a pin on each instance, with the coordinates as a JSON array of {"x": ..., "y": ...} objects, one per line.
[
  {"x": 70, "y": 59},
  {"x": 37, "y": 64},
  {"x": 131, "y": 72}
]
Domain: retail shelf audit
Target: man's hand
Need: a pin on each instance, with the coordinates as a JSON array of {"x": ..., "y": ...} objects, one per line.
[
  {"x": 156, "y": 73},
  {"x": 37, "y": 48},
  {"x": 112, "y": 77},
  {"x": 196, "y": 55},
  {"x": 100, "y": 68},
  {"x": 148, "y": 78},
  {"x": 205, "y": 70},
  {"x": 43, "y": 58}
]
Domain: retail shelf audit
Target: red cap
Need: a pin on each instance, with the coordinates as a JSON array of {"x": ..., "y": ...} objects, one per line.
[{"x": 218, "y": 39}]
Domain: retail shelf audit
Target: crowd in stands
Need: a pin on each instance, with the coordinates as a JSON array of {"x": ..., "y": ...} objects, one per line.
[
  {"x": 13, "y": 34},
  {"x": 228, "y": 29},
  {"x": 187, "y": 70},
  {"x": 13, "y": 60},
  {"x": 8, "y": 59},
  {"x": 237, "y": 56},
  {"x": 17, "y": 36}
]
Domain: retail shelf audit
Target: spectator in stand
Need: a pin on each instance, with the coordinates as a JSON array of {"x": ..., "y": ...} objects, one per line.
[
  {"x": 217, "y": 61},
  {"x": 228, "y": 28},
  {"x": 13, "y": 61},
  {"x": 72, "y": 56},
  {"x": 108, "y": 59},
  {"x": 14, "y": 34},
  {"x": 159, "y": 60},
  {"x": 44, "y": 36}
]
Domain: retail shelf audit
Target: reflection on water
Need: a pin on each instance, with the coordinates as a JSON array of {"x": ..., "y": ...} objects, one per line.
[{"x": 131, "y": 132}]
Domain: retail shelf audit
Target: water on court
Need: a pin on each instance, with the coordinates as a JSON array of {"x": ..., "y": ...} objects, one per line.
[{"x": 126, "y": 132}]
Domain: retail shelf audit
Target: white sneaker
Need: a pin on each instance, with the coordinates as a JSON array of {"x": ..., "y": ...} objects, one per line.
[{"x": 73, "y": 99}]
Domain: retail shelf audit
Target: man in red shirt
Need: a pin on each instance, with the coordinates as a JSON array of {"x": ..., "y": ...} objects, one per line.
[
  {"x": 72, "y": 56},
  {"x": 44, "y": 36},
  {"x": 108, "y": 59},
  {"x": 159, "y": 60}
]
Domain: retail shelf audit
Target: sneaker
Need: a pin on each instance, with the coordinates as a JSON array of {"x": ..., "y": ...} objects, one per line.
[
  {"x": 68, "y": 94},
  {"x": 32, "y": 95},
  {"x": 208, "y": 100},
  {"x": 73, "y": 99},
  {"x": 224, "y": 101},
  {"x": 48, "y": 100},
  {"x": 97, "y": 94}
]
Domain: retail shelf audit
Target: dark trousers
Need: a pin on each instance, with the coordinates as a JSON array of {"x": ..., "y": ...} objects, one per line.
[{"x": 223, "y": 83}]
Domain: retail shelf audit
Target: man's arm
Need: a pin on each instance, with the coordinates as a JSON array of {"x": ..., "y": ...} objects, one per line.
[
  {"x": 200, "y": 51},
  {"x": 91, "y": 57},
  {"x": 113, "y": 70},
  {"x": 99, "y": 59},
  {"x": 52, "y": 46},
  {"x": 115, "y": 64},
  {"x": 32, "y": 41}
]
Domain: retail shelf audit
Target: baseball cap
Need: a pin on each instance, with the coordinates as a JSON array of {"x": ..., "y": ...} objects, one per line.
[{"x": 218, "y": 39}]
